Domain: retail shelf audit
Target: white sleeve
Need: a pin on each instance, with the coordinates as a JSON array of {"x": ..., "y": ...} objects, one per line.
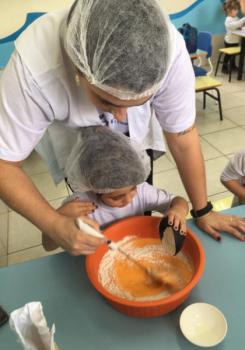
[
  {"x": 174, "y": 103},
  {"x": 24, "y": 112},
  {"x": 235, "y": 169},
  {"x": 233, "y": 24},
  {"x": 154, "y": 198}
]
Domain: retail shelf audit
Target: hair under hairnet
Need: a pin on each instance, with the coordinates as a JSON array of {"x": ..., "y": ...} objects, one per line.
[
  {"x": 103, "y": 160},
  {"x": 122, "y": 47}
]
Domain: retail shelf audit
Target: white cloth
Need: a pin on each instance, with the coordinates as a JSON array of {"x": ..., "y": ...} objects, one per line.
[
  {"x": 231, "y": 24},
  {"x": 148, "y": 198},
  {"x": 38, "y": 93},
  {"x": 31, "y": 327},
  {"x": 235, "y": 170},
  {"x": 108, "y": 120}
]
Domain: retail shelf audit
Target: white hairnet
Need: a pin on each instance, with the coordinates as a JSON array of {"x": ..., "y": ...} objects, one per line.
[
  {"x": 121, "y": 47},
  {"x": 103, "y": 160}
]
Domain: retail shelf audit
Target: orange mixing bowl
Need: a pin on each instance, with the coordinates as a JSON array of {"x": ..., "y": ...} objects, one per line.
[{"x": 145, "y": 227}]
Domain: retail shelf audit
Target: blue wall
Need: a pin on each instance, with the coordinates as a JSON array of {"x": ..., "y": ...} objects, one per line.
[
  {"x": 7, "y": 43},
  {"x": 204, "y": 15}
]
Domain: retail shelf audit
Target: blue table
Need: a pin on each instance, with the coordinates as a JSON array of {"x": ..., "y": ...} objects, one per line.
[{"x": 85, "y": 321}]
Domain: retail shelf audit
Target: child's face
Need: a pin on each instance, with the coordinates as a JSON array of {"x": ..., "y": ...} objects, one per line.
[
  {"x": 119, "y": 198},
  {"x": 233, "y": 12}
]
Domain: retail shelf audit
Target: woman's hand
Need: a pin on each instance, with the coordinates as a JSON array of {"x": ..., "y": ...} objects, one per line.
[
  {"x": 76, "y": 208},
  {"x": 213, "y": 223},
  {"x": 66, "y": 234}
]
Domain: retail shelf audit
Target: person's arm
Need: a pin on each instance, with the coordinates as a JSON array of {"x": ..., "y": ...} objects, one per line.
[
  {"x": 242, "y": 3},
  {"x": 235, "y": 187},
  {"x": 174, "y": 105},
  {"x": 156, "y": 199},
  {"x": 234, "y": 24},
  {"x": 48, "y": 243},
  {"x": 25, "y": 114},
  {"x": 72, "y": 208},
  {"x": 185, "y": 148},
  {"x": 187, "y": 154},
  {"x": 177, "y": 213},
  {"x": 19, "y": 193},
  {"x": 233, "y": 174}
]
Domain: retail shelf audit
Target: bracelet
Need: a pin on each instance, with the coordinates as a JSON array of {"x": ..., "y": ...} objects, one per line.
[{"x": 201, "y": 212}]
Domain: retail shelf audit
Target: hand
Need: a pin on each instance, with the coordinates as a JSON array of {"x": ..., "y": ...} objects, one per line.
[
  {"x": 76, "y": 208},
  {"x": 66, "y": 234},
  {"x": 177, "y": 219},
  {"x": 213, "y": 223}
]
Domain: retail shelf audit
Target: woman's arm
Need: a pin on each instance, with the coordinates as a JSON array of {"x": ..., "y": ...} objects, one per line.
[
  {"x": 19, "y": 193},
  {"x": 186, "y": 150},
  {"x": 73, "y": 209},
  {"x": 48, "y": 243}
]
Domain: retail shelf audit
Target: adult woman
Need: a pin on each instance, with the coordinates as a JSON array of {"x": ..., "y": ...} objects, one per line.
[{"x": 123, "y": 70}]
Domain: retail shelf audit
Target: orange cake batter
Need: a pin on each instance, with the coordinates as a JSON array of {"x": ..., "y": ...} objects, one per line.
[{"x": 122, "y": 277}]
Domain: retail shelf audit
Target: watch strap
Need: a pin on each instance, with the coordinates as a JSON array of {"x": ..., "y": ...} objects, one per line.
[{"x": 201, "y": 212}]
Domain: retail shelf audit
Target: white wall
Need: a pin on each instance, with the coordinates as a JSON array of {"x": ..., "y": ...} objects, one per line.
[
  {"x": 13, "y": 12},
  {"x": 173, "y": 6}
]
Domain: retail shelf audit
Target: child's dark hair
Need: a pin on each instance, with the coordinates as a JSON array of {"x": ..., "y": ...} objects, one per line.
[{"x": 230, "y": 5}]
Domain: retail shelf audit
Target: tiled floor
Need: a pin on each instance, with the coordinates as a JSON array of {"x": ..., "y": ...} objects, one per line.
[{"x": 20, "y": 240}]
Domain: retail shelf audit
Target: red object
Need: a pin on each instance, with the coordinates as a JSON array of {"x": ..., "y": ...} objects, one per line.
[{"x": 145, "y": 227}]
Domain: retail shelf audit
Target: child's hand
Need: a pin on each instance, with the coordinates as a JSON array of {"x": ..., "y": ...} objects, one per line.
[
  {"x": 177, "y": 220},
  {"x": 177, "y": 214},
  {"x": 77, "y": 208}
]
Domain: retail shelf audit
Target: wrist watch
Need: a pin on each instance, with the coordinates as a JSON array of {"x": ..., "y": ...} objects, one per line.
[{"x": 201, "y": 212}]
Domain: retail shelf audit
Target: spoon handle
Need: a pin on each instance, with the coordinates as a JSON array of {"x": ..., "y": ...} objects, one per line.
[{"x": 88, "y": 229}]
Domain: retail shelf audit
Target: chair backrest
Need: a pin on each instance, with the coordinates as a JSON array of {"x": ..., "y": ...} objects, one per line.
[{"x": 204, "y": 42}]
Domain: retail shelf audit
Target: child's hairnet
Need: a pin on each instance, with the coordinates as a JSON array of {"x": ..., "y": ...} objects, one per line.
[
  {"x": 121, "y": 47},
  {"x": 103, "y": 160}
]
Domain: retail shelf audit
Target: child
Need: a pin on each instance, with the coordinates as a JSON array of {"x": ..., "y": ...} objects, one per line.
[
  {"x": 105, "y": 169},
  {"x": 233, "y": 177},
  {"x": 232, "y": 22}
]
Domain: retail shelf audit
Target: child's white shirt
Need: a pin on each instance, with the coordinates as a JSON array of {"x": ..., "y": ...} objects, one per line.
[
  {"x": 231, "y": 24},
  {"x": 147, "y": 198},
  {"x": 235, "y": 170}
]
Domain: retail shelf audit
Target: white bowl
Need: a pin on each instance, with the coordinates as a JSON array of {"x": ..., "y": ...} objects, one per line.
[{"x": 203, "y": 324}]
